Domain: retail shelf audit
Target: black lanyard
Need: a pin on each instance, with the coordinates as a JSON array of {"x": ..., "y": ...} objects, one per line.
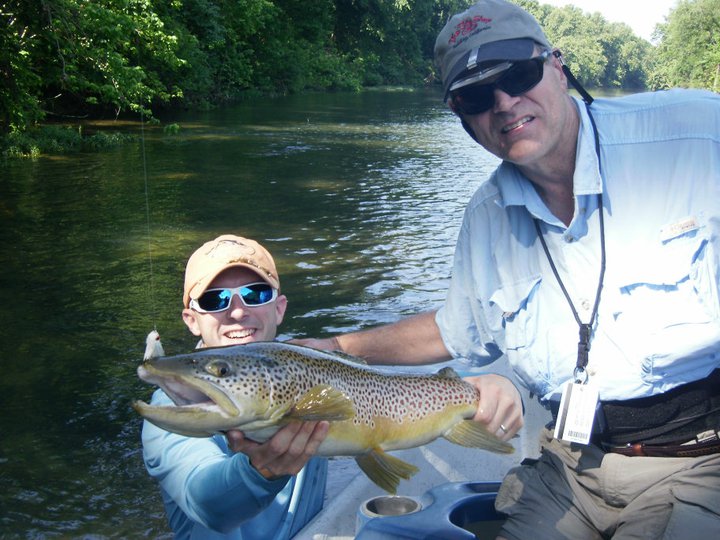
[{"x": 585, "y": 328}]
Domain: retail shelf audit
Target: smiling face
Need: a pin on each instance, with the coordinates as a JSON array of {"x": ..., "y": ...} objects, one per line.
[
  {"x": 532, "y": 130},
  {"x": 239, "y": 323}
]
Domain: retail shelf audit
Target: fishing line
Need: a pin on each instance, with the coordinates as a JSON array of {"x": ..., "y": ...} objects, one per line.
[
  {"x": 153, "y": 346},
  {"x": 147, "y": 217}
]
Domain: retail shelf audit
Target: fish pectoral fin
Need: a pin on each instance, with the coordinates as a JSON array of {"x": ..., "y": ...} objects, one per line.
[
  {"x": 385, "y": 470},
  {"x": 473, "y": 434},
  {"x": 323, "y": 402}
]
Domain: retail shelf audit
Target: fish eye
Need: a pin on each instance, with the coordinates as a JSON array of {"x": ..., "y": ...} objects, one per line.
[{"x": 219, "y": 369}]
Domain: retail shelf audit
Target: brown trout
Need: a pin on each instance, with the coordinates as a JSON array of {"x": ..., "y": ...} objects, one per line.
[{"x": 259, "y": 387}]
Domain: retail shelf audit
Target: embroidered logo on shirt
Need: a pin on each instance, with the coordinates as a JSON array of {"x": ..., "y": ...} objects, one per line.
[{"x": 673, "y": 230}]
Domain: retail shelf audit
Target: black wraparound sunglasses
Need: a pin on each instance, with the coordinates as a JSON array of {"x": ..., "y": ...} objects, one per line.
[{"x": 515, "y": 79}]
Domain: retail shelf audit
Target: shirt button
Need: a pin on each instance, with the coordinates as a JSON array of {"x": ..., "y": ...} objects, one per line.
[
  {"x": 569, "y": 238},
  {"x": 585, "y": 303}
]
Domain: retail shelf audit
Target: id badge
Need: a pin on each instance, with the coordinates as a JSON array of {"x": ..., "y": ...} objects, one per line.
[{"x": 577, "y": 413}]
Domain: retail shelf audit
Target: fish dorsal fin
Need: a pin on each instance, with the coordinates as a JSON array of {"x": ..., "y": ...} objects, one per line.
[
  {"x": 350, "y": 357},
  {"x": 385, "y": 470},
  {"x": 448, "y": 373},
  {"x": 474, "y": 435},
  {"x": 323, "y": 402}
]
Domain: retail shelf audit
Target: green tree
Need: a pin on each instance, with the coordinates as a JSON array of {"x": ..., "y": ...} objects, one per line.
[
  {"x": 221, "y": 41},
  {"x": 299, "y": 51},
  {"x": 689, "y": 50},
  {"x": 600, "y": 53},
  {"x": 568, "y": 29},
  {"x": 20, "y": 85},
  {"x": 634, "y": 62},
  {"x": 91, "y": 57},
  {"x": 112, "y": 52},
  {"x": 77, "y": 56}
]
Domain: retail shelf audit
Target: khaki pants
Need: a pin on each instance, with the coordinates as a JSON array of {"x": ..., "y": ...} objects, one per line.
[{"x": 580, "y": 492}]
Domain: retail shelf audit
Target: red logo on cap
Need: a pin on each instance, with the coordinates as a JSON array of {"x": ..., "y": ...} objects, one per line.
[{"x": 466, "y": 26}]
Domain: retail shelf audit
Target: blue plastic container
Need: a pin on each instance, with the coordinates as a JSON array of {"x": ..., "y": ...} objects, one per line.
[{"x": 453, "y": 511}]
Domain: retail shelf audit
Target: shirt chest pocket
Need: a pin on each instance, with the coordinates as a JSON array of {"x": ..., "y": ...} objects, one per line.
[
  {"x": 674, "y": 284},
  {"x": 513, "y": 305},
  {"x": 668, "y": 307}
]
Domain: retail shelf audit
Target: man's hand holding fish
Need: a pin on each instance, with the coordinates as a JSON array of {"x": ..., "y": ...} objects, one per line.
[
  {"x": 286, "y": 452},
  {"x": 500, "y": 408}
]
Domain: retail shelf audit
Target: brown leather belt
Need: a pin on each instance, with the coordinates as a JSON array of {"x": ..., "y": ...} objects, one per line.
[{"x": 678, "y": 450}]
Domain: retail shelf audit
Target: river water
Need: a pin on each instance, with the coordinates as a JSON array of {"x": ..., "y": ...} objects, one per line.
[{"x": 358, "y": 196}]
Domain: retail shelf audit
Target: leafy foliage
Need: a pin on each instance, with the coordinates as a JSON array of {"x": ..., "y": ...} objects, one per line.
[
  {"x": 98, "y": 57},
  {"x": 689, "y": 50},
  {"x": 600, "y": 53},
  {"x": 57, "y": 139},
  {"x": 21, "y": 85},
  {"x": 105, "y": 53}
]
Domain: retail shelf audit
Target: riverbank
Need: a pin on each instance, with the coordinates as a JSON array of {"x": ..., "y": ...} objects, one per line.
[{"x": 58, "y": 139}]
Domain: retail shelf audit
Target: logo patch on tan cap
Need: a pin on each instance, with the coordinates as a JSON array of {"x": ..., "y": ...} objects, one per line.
[{"x": 230, "y": 251}]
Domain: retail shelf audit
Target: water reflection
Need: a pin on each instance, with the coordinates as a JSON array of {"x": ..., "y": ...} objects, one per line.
[{"x": 358, "y": 196}]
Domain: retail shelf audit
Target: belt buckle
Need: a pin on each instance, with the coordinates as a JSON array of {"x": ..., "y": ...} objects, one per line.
[
  {"x": 636, "y": 450},
  {"x": 630, "y": 449}
]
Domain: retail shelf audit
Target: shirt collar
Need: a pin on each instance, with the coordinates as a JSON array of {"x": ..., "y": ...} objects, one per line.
[
  {"x": 587, "y": 179},
  {"x": 516, "y": 190}
]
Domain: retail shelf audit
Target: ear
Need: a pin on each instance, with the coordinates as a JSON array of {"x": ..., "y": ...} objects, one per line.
[
  {"x": 280, "y": 307},
  {"x": 558, "y": 63},
  {"x": 190, "y": 319},
  {"x": 467, "y": 128},
  {"x": 465, "y": 125}
]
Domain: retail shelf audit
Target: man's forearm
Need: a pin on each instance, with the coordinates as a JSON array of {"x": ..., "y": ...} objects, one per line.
[{"x": 415, "y": 340}]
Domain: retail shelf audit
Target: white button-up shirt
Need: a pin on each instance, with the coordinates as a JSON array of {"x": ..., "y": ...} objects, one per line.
[{"x": 658, "y": 324}]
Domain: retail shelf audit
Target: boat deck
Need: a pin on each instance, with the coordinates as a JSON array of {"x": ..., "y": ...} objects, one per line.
[{"x": 439, "y": 462}]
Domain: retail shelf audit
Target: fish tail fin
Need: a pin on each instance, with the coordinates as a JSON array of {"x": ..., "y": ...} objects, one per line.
[
  {"x": 385, "y": 470},
  {"x": 473, "y": 434}
]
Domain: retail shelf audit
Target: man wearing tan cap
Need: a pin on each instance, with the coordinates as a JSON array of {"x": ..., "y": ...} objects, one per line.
[
  {"x": 590, "y": 261},
  {"x": 226, "y": 486},
  {"x": 207, "y": 296}
]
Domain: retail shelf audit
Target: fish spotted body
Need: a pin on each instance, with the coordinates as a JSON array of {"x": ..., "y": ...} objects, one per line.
[{"x": 259, "y": 387}]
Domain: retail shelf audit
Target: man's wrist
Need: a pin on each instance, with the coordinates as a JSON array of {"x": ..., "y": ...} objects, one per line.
[{"x": 266, "y": 473}]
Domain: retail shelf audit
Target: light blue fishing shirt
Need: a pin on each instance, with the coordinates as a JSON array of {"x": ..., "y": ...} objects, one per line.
[
  {"x": 658, "y": 324},
  {"x": 211, "y": 493}
]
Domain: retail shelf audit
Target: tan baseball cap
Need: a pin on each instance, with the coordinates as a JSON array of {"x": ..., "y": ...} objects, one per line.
[
  {"x": 489, "y": 31},
  {"x": 226, "y": 251}
]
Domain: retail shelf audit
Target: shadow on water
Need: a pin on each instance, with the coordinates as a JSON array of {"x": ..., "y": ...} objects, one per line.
[{"x": 359, "y": 197}]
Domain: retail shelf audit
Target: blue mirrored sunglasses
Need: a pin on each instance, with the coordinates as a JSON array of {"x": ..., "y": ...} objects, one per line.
[{"x": 251, "y": 295}]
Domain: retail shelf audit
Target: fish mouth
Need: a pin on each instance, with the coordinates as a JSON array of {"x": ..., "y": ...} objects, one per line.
[{"x": 189, "y": 392}]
